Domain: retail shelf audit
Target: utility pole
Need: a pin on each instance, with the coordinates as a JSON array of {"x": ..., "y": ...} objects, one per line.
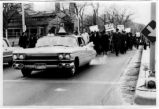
[
  {"x": 23, "y": 19},
  {"x": 104, "y": 19},
  {"x": 152, "y": 44},
  {"x": 6, "y": 30},
  {"x": 78, "y": 24},
  {"x": 58, "y": 11}
]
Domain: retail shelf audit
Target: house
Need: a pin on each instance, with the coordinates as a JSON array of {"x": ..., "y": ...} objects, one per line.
[{"x": 39, "y": 23}]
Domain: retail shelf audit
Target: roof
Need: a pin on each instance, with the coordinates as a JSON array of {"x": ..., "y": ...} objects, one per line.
[
  {"x": 43, "y": 14},
  {"x": 34, "y": 14}
]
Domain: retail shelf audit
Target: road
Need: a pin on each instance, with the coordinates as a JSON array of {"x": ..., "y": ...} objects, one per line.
[{"x": 97, "y": 84}]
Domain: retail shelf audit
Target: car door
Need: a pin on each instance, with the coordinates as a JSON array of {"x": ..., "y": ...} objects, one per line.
[
  {"x": 7, "y": 54},
  {"x": 89, "y": 50},
  {"x": 85, "y": 51}
]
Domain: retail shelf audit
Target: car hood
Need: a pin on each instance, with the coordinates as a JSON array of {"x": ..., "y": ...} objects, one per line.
[
  {"x": 48, "y": 50},
  {"x": 14, "y": 48}
]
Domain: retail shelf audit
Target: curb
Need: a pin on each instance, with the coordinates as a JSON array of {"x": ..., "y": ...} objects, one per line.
[
  {"x": 130, "y": 76},
  {"x": 143, "y": 95}
]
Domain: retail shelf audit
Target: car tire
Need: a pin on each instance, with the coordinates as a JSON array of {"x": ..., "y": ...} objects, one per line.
[
  {"x": 26, "y": 72},
  {"x": 72, "y": 71},
  {"x": 10, "y": 63},
  {"x": 88, "y": 64}
]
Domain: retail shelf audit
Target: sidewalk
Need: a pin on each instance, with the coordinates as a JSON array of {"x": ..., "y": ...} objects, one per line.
[{"x": 144, "y": 95}]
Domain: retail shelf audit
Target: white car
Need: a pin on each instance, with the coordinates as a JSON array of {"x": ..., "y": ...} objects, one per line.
[
  {"x": 63, "y": 52},
  {"x": 8, "y": 51}
]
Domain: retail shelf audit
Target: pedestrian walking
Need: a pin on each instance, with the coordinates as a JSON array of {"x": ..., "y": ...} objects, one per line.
[
  {"x": 116, "y": 41},
  {"x": 105, "y": 42}
]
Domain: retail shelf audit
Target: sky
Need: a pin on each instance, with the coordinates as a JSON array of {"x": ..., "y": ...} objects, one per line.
[{"x": 140, "y": 10}]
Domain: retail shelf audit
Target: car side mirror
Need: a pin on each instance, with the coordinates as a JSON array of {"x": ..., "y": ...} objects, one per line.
[{"x": 90, "y": 44}]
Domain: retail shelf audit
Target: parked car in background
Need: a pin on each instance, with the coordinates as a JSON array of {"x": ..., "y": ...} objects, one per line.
[
  {"x": 67, "y": 52},
  {"x": 8, "y": 52}
]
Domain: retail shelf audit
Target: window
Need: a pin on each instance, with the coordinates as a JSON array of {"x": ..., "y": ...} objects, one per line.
[
  {"x": 5, "y": 44},
  {"x": 81, "y": 41}
]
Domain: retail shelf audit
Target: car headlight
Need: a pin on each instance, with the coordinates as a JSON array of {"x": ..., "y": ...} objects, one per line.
[
  {"x": 67, "y": 56},
  {"x": 61, "y": 56},
  {"x": 21, "y": 56},
  {"x": 15, "y": 57}
]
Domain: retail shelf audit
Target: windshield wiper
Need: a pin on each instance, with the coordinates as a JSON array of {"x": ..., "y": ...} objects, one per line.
[{"x": 62, "y": 45}]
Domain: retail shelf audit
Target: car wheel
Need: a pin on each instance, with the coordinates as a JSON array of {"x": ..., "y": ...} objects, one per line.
[
  {"x": 10, "y": 63},
  {"x": 88, "y": 64},
  {"x": 26, "y": 72},
  {"x": 74, "y": 68}
]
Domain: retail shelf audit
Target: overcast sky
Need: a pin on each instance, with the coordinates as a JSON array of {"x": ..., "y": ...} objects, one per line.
[{"x": 140, "y": 9}]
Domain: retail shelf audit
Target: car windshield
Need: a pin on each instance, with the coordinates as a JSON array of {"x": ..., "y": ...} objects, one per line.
[
  {"x": 5, "y": 44},
  {"x": 56, "y": 41}
]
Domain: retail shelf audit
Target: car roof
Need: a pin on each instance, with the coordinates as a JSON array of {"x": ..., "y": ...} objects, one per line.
[
  {"x": 73, "y": 35},
  {"x": 68, "y": 35}
]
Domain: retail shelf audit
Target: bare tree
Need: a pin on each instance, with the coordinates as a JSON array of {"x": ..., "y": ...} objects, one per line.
[
  {"x": 10, "y": 11},
  {"x": 116, "y": 16},
  {"x": 88, "y": 21},
  {"x": 64, "y": 16},
  {"x": 79, "y": 11},
  {"x": 95, "y": 12}
]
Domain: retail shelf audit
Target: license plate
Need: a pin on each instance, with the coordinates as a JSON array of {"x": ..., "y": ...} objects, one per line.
[{"x": 40, "y": 66}]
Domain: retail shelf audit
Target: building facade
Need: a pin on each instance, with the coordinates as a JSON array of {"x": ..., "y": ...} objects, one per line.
[
  {"x": 43, "y": 22},
  {"x": 35, "y": 24}
]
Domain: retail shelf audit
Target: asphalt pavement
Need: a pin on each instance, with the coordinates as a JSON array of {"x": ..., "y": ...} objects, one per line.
[{"x": 97, "y": 84}]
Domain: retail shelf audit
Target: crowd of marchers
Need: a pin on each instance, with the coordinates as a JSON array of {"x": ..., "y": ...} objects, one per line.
[
  {"x": 115, "y": 42},
  {"x": 104, "y": 42}
]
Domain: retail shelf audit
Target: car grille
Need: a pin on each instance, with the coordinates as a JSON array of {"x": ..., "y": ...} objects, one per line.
[
  {"x": 41, "y": 57},
  {"x": 49, "y": 62}
]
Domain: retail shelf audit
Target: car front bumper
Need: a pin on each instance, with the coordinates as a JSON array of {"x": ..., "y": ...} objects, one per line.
[{"x": 42, "y": 65}]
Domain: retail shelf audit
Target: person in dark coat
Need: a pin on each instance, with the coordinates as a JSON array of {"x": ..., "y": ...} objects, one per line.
[
  {"x": 100, "y": 41},
  {"x": 32, "y": 40},
  {"x": 116, "y": 41},
  {"x": 111, "y": 44},
  {"x": 96, "y": 42},
  {"x": 93, "y": 39},
  {"x": 137, "y": 42},
  {"x": 23, "y": 40},
  {"x": 124, "y": 44},
  {"x": 130, "y": 41},
  {"x": 105, "y": 42}
]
